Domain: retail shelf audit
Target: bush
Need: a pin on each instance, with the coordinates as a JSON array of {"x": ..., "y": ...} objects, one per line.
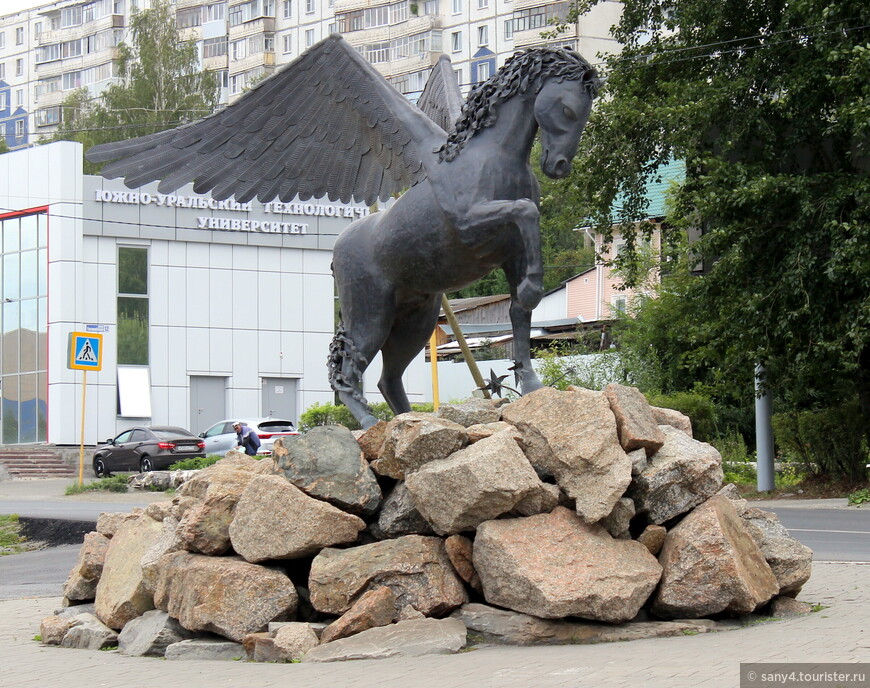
[
  {"x": 117, "y": 483},
  {"x": 827, "y": 442},
  {"x": 194, "y": 464},
  {"x": 560, "y": 367},
  {"x": 339, "y": 414},
  {"x": 696, "y": 406}
]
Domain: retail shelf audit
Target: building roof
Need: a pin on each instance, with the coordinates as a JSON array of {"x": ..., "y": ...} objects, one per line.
[
  {"x": 459, "y": 305},
  {"x": 657, "y": 188}
]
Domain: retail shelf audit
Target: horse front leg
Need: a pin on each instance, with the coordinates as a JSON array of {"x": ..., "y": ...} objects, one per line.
[{"x": 521, "y": 323}]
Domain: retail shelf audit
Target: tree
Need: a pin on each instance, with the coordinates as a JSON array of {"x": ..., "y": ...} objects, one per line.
[
  {"x": 161, "y": 86},
  {"x": 768, "y": 104}
]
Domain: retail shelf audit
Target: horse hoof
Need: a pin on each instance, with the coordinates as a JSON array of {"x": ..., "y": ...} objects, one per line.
[{"x": 368, "y": 421}]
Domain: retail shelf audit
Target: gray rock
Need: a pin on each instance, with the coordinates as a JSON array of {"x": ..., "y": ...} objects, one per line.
[
  {"x": 206, "y": 649},
  {"x": 572, "y": 436},
  {"x": 294, "y": 641},
  {"x": 399, "y": 516},
  {"x": 150, "y": 634},
  {"x": 679, "y": 476},
  {"x": 790, "y": 560},
  {"x": 89, "y": 633},
  {"x": 784, "y": 607},
  {"x": 413, "y": 638},
  {"x": 327, "y": 463},
  {"x": 638, "y": 461},
  {"x": 471, "y": 412},
  {"x": 616, "y": 523},
  {"x": 473, "y": 485},
  {"x": 555, "y": 565},
  {"x": 275, "y": 520},
  {"x": 415, "y": 567},
  {"x": 413, "y": 439},
  {"x": 666, "y": 416},
  {"x": 76, "y": 609},
  {"x": 500, "y": 626}
]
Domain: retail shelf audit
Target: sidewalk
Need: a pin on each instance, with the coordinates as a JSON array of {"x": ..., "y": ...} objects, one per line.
[{"x": 838, "y": 633}]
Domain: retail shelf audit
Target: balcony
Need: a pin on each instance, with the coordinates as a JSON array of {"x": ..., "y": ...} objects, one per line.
[
  {"x": 349, "y": 5},
  {"x": 408, "y": 65},
  {"x": 184, "y": 4},
  {"x": 252, "y": 27},
  {"x": 264, "y": 59},
  {"x": 532, "y": 37}
]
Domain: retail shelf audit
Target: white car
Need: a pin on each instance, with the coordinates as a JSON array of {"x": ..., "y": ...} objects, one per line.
[{"x": 221, "y": 438}]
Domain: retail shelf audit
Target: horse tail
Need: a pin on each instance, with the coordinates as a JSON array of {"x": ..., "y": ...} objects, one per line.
[{"x": 345, "y": 363}]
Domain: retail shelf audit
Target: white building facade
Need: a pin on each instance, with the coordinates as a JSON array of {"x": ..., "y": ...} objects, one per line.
[{"x": 208, "y": 309}]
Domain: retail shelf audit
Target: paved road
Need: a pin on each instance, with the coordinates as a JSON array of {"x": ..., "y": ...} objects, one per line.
[
  {"x": 67, "y": 510},
  {"x": 36, "y": 574},
  {"x": 832, "y": 534}
]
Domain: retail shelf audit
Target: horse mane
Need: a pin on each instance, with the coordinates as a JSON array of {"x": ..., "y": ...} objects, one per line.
[{"x": 523, "y": 71}]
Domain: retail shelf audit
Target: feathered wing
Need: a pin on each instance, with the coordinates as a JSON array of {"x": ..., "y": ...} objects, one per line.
[
  {"x": 441, "y": 99},
  {"x": 327, "y": 124}
]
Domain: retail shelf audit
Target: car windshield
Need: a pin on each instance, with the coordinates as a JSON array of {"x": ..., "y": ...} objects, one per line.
[
  {"x": 277, "y": 426},
  {"x": 170, "y": 434}
]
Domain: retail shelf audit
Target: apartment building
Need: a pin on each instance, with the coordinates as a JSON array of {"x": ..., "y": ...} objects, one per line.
[{"x": 53, "y": 48}]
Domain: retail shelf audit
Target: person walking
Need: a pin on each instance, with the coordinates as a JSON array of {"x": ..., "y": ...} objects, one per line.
[{"x": 247, "y": 438}]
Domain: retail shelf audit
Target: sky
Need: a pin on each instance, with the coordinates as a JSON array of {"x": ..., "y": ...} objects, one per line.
[{"x": 12, "y": 6}]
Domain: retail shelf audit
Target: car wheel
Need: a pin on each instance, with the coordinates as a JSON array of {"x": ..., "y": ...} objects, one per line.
[
  {"x": 145, "y": 465},
  {"x": 100, "y": 468}
]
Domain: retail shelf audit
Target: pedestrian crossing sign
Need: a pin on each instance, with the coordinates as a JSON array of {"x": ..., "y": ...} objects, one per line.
[{"x": 85, "y": 351}]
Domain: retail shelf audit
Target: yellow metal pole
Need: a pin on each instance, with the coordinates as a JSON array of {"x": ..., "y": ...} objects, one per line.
[
  {"x": 82, "y": 445},
  {"x": 433, "y": 359},
  {"x": 460, "y": 338}
]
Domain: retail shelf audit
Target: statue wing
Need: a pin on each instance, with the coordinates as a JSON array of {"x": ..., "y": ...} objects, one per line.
[
  {"x": 327, "y": 124},
  {"x": 441, "y": 98}
]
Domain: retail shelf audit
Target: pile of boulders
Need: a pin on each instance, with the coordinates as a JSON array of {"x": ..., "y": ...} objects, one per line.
[{"x": 576, "y": 516}]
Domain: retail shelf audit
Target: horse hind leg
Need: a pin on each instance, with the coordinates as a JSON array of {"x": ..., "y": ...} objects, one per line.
[{"x": 410, "y": 332}]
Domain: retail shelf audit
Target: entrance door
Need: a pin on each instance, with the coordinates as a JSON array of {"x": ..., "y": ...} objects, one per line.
[
  {"x": 279, "y": 397},
  {"x": 208, "y": 401}
]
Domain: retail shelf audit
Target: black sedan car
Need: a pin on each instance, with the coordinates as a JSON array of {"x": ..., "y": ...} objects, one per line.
[{"x": 146, "y": 449}]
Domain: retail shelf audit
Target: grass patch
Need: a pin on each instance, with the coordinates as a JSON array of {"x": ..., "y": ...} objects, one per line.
[
  {"x": 37, "y": 638},
  {"x": 117, "y": 483},
  {"x": 194, "y": 464},
  {"x": 860, "y": 497},
  {"x": 11, "y": 541}
]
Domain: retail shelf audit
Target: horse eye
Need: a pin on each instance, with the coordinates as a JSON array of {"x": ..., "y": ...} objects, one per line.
[{"x": 569, "y": 113}]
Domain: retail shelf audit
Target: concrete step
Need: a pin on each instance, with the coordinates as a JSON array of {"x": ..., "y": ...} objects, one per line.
[{"x": 34, "y": 464}]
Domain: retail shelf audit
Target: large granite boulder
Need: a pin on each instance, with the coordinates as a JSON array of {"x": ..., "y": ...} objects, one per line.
[
  {"x": 209, "y": 649},
  {"x": 635, "y": 421},
  {"x": 712, "y": 565},
  {"x": 205, "y": 526},
  {"x": 581, "y": 571},
  {"x": 376, "y": 607},
  {"x": 121, "y": 593},
  {"x": 413, "y": 638},
  {"x": 413, "y": 439},
  {"x": 580, "y": 446},
  {"x": 679, "y": 476},
  {"x": 672, "y": 417},
  {"x": 275, "y": 520},
  {"x": 790, "y": 560},
  {"x": 415, "y": 567},
  {"x": 399, "y": 516},
  {"x": 167, "y": 541},
  {"x": 327, "y": 463},
  {"x": 81, "y": 585},
  {"x": 224, "y": 595},
  {"x": 87, "y": 632},
  {"x": 475, "y": 484}
]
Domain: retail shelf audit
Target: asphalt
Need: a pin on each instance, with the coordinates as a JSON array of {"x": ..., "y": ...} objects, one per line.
[{"x": 835, "y": 633}]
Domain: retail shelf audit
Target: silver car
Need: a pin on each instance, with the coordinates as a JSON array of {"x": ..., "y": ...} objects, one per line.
[{"x": 221, "y": 437}]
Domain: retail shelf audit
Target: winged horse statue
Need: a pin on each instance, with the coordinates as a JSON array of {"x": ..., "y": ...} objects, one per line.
[{"x": 328, "y": 124}]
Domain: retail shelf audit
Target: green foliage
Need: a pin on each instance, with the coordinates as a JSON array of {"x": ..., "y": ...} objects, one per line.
[
  {"x": 696, "y": 406},
  {"x": 825, "y": 442},
  {"x": 194, "y": 464},
  {"x": 860, "y": 497},
  {"x": 767, "y": 104},
  {"x": 117, "y": 483},
  {"x": 10, "y": 536},
  {"x": 38, "y": 638},
  {"x": 561, "y": 367},
  {"x": 338, "y": 414},
  {"x": 4, "y": 147},
  {"x": 161, "y": 87}
]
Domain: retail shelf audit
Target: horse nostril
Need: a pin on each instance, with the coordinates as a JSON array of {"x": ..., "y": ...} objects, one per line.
[{"x": 562, "y": 167}]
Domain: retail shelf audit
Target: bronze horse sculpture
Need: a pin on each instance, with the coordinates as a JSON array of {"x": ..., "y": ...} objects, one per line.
[{"x": 328, "y": 124}]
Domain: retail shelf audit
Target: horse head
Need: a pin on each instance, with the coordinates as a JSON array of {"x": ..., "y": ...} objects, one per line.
[{"x": 561, "y": 110}]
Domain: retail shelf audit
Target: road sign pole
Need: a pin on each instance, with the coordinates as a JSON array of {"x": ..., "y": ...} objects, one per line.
[{"x": 82, "y": 444}]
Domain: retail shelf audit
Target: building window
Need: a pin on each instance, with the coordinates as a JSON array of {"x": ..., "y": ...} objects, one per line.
[
  {"x": 309, "y": 6},
  {"x": 19, "y": 35},
  {"x": 134, "y": 393},
  {"x": 269, "y": 43},
  {"x": 268, "y": 8},
  {"x": 539, "y": 17},
  {"x": 483, "y": 71},
  {"x": 214, "y": 47},
  {"x": 309, "y": 38},
  {"x": 458, "y": 73},
  {"x": 132, "y": 306},
  {"x": 189, "y": 17},
  {"x": 216, "y": 12},
  {"x": 4, "y": 100},
  {"x": 509, "y": 29},
  {"x": 48, "y": 116},
  {"x": 24, "y": 319},
  {"x": 19, "y": 97},
  {"x": 19, "y": 129},
  {"x": 482, "y": 4},
  {"x": 457, "y": 6},
  {"x": 617, "y": 304},
  {"x": 456, "y": 41},
  {"x": 2, "y": 40},
  {"x": 37, "y": 30},
  {"x": 2, "y": 70},
  {"x": 482, "y": 35},
  {"x": 288, "y": 9},
  {"x": 70, "y": 16},
  {"x": 19, "y": 67},
  {"x": 288, "y": 43}
]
